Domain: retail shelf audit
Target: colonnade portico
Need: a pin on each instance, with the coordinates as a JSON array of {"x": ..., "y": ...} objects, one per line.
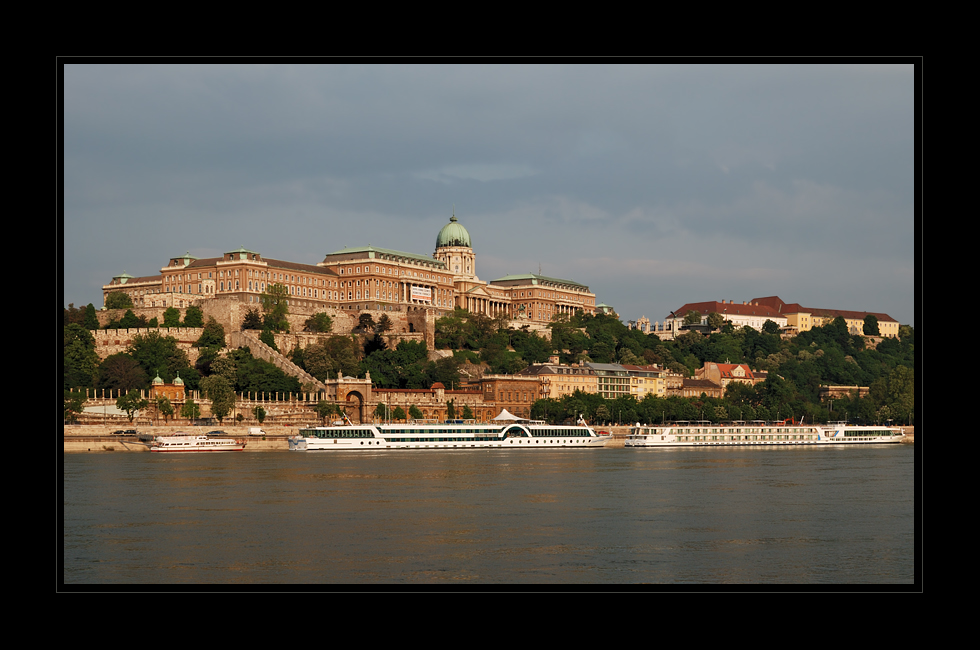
[{"x": 487, "y": 306}]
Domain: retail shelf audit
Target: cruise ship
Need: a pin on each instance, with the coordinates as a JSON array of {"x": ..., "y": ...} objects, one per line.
[
  {"x": 451, "y": 434},
  {"x": 697, "y": 434}
]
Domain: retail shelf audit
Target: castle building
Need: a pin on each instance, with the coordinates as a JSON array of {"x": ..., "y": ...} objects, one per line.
[
  {"x": 362, "y": 278},
  {"x": 242, "y": 274},
  {"x": 803, "y": 319},
  {"x": 746, "y": 314}
]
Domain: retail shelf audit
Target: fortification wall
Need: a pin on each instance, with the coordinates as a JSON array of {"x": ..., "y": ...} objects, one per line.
[
  {"x": 109, "y": 342},
  {"x": 229, "y": 312}
]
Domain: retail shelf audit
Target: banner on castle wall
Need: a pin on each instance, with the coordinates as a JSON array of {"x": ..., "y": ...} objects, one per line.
[{"x": 422, "y": 293}]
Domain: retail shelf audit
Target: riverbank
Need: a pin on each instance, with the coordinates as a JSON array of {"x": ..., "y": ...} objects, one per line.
[
  {"x": 85, "y": 438},
  {"x": 89, "y": 438}
]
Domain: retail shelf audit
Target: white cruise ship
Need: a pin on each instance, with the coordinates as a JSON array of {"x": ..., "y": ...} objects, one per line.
[
  {"x": 453, "y": 434},
  {"x": 697, "y": 434}
]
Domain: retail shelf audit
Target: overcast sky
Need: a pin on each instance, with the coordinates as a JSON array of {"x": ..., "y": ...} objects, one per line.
[{"x": 655, "y": 185}]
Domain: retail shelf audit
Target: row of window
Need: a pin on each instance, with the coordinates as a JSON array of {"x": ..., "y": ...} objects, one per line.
[{"x": 393, "y": 271}]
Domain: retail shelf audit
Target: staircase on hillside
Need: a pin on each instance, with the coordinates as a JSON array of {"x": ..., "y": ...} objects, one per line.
[{"x": 262, "y": 351}]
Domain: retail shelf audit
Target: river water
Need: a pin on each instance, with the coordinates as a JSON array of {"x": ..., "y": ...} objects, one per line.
[{"x": 781, "y": 516}]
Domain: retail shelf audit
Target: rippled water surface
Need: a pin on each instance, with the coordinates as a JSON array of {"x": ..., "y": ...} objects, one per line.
[{"x": 599, "y": 516}]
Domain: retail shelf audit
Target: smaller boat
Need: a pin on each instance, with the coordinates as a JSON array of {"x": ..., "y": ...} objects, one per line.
[{"x": 188, "y": 442}]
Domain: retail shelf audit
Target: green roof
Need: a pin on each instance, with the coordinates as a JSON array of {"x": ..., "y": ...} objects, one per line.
[
  {"x": 242, "y": 253},
  {"x": 374, "y": 253},
  {"x": 534, "y": 278},
  {"x": 453, "y": 234}
]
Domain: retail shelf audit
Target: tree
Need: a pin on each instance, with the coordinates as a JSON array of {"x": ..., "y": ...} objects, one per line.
[
  {"x": 213, "y": 335},
  {"x": 450, "y": 410},
  {"x": 692, "y": 318},
  {"x": 74, "y": 404},
  {"x": 384, "y": 324},
  {"x": 414, "y": 412},
  {"x": 267, "y": 337},
  {"x": 193, "y": 317},
  {"x": 122, "y": 372},
  {"x": 467, "y": 412},
  {"x": 770, "y": 327},
  {"x": 897, "y": 392},
  {"x": 398, "y": 413},
  {"x": 130, "y": 321},
  {"x": 451, "y": 330},
  {"x": 164, "y": 407},
  {"x": 715, "y": 320},
  {"x": 318, "y": 322},
  {"x": 259, "y": 414},
  {"x": 131, "y": 403},
  {"x": 118, "y": 300},
  {"x": 275, "y": 304},
  {"x": 81, "y": 362},
  {"x": 365, "y": 323},
  {"x": 325, "y": 409},
  {"x": 190, "y": 410},
  {"x": 217, "y": 389},
  {"x": 871, "y": 325},
  {"x": 160, "y": 354},
  {"x": 252, "y": 320},
  {"x": 171, "y": 317},
  {"x": 91, "y": 321}
]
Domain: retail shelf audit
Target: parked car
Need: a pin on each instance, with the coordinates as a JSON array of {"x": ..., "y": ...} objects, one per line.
[
  {"x": 131, "y": 432},
  {"x": 120, "y": 432},
  {"x": 216, "y": 433},
  {"x": 255, "y": 431}
]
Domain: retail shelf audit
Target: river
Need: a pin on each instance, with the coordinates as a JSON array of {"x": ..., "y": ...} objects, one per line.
[{"x": 719, "y": 516}]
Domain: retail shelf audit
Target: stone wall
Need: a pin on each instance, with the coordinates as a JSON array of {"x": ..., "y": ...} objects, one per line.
[
  {"x": 229, "y": 311},
  {"x": 109, "y": 342}
]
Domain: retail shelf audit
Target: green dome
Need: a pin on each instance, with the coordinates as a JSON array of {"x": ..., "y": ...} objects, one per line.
[
  {"x": 178, "y": 381},
  {"x": 453, "y": 234},
  {"x": 157, "y": 380}
]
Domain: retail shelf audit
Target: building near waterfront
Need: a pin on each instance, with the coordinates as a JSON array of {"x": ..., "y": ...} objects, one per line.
[
  {"x": 516, "y": 393},
  {"x": 559, "y": 380},
  {"x": 613, "y": 379},
  {"x": 845, "y": 392},
  {"x": 646, "y": 380},
  {"x": 726, "y": 373},
  {"x": 433, "y": 403}
]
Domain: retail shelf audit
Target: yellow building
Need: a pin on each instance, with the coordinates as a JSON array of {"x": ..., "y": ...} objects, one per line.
[
  {"x": 558, "y": 380},
  {"x": 806, "y": 318},
  {"x": 646, "y": 380}
]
